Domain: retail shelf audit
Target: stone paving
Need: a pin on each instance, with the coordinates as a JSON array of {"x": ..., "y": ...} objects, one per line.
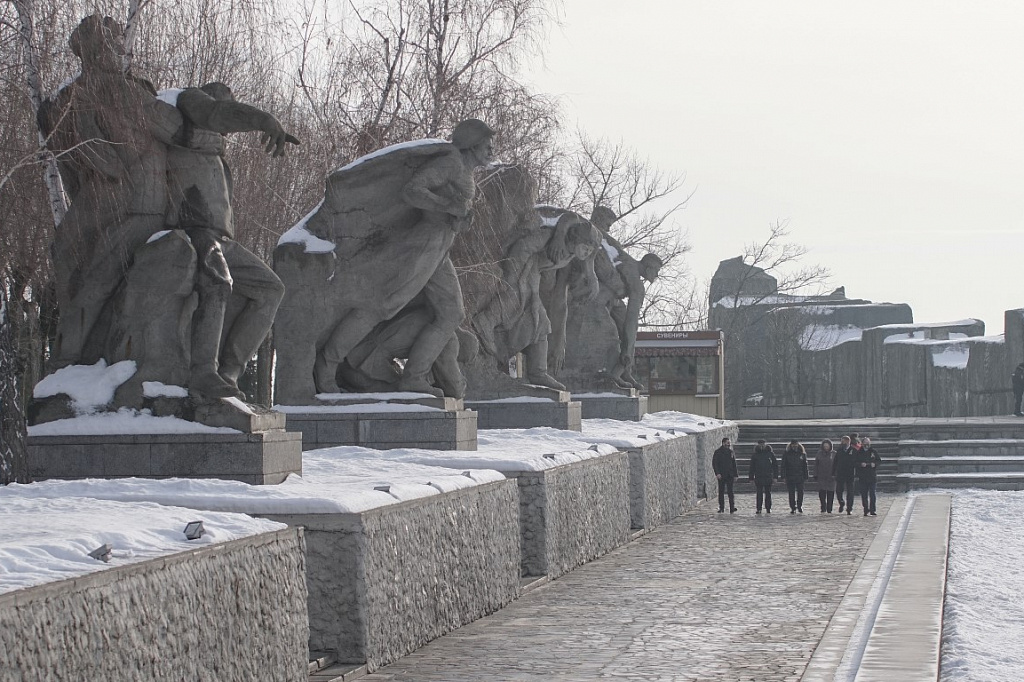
[{"x": 707, "y": 597}]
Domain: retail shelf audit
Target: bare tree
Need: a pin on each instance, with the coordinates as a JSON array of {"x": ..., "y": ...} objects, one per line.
[{"x": 645, "y": 199}]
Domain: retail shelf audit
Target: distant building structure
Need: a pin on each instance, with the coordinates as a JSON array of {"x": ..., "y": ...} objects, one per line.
[
  {"x": 682, "y": 371},
  {"x": 831, "y": 356}
]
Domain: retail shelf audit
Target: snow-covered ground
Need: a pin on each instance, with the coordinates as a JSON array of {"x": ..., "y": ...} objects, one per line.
[
  {"x": 44, "y": 540},
  {"x": 983, "y": 627},
  {"x": 48, "y": 528}
]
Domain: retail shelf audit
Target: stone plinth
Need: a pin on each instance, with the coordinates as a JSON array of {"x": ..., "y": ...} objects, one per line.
[
  {"x": 527, "y": 412},
  {"x": 263, "y": 457},
  {"x": 384, "y": 582},
  {"x": 234, "y": 610},
  {"x": 384, "y": 426},
  {"x": 627, "y": 406},
  {"x": 572, "y": 514}
]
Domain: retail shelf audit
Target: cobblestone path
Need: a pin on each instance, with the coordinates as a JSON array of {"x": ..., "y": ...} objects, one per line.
[{"x": 707, "y": 597}]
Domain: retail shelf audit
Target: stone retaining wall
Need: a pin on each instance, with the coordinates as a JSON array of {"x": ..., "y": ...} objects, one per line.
[
  {"x": 384, "y": 582},
  {"x": 662, "y": 481},
  {"x": 573, "y": 513},
  {"x": 231, "y": 611}
]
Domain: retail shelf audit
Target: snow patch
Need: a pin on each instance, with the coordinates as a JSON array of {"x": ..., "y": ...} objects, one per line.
[
  {"x": 953, "y": 358},
  {"x": 89, "y": 386},
  {"x": 298, "y": 234},
  {"x": 125, "y": 421},
  {"x": 388, "y": 150},
  {"x": 44, "y": 539},
  {"x": 613, "y": 253},
  {"x": 169, "y": 95},
  {"x": 157, "y": 236},
  {"x": 824, "y": 337},
  {"x": 155, "y": 389}
]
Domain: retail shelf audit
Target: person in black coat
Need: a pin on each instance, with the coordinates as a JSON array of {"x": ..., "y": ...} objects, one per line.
[
  {"x": 794, "y": 470},
  {"x": 1017, "y": 378},
  {"x": 724, "y": 464},
  {"x": 843, "y": 470},
  {"x": 764, "y": 468},
  {"x": 867, "y": 471}
]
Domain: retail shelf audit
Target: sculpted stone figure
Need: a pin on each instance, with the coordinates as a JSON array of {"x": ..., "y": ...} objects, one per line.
[
  {"x": 514, "y": 249},
  {"x": 142, "y": 164},
  {"x": 116, "y": 178},
  {"x": 200, "y": 204},
  {"x": 594, "y": 340},
  {"x": 378, "y": 241}
]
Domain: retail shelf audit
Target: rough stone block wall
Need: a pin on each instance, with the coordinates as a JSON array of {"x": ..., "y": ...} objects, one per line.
[
  {"x": 663, "y": 481},
  {"x": 231, "y": 611},
  {"x": 707, "y": 442},
  {"x": 385, "y": 582},
  {"x": 574, "y": 513}
]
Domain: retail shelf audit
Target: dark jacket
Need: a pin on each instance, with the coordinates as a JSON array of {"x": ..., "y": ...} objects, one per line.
[
  {"x": 794, "y": 464},
  {"x": 867, "y": 464},
  {"x": 846, "y": 463},
  {"x": 724, "y": 463},
  {"x": 763, "y": 463},
  {"x": 1018, "y": 378}
]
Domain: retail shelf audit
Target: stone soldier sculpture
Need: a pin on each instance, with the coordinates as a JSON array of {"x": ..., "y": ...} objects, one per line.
[
  {"x": 593, "y": 335},
  {"x": 200, "y": 203},
  {"x": 379, "y": 240},
  {"x": 508, "y": 315},
  {"x": 111, "y": 133},
  {"x": 622, "y": 290}
]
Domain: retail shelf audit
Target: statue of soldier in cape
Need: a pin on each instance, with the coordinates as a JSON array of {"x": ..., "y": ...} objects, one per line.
[{"x": 379, "y": 240}]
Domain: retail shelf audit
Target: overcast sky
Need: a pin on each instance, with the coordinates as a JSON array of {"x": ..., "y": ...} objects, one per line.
[{"x": 889, "y": 134}]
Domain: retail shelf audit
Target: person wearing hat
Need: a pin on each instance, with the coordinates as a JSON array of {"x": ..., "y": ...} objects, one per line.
[
  {"x": 724, "y": 464},
  {"x": 764, "y": 468}
]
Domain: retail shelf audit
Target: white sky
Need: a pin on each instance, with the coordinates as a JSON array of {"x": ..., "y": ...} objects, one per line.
[{"x": 889, "y": 134}]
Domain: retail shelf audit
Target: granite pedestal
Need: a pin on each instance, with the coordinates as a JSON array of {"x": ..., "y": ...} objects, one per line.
[
  {"x": 526, "y": 412},
  {"x": 624, "y": 406},
  {"x": 355, "y": 419},
  {"x": 263, "y": 457}
]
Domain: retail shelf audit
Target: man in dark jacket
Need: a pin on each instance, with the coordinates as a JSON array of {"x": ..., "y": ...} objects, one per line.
[
  {"x": 867, "y": 471},
  {"x": 724, "y": 464},
  {"x": 764, "y": 468},
  {"x": 1018, "y": 389},
  {"x": 843, "y": 470},
  {"x": 794, "y": 470}
]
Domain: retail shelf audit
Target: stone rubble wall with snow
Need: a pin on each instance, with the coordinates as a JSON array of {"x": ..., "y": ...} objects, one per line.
[
  {"x": 235, "y": 610},
  {"x": 386, "y": 581},
  {"x": 574, "y": 513}
]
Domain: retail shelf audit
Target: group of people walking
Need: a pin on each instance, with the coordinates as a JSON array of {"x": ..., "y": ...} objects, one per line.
[{"x": 835, "y": 470}]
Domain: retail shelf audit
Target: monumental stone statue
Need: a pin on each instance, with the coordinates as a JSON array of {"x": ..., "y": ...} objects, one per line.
[
  {"x": 138, "y": 165},
  {"x": 112, "y": 134},
  {"x": 597, "y": 345},
  {"x": 514, "y": 249},
  {"x": 200, "y": 204},
  {"x": 377, "y": 243}
]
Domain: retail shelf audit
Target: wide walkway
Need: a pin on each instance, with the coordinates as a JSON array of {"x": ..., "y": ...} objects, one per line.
[{"x": 707, "y": 597}]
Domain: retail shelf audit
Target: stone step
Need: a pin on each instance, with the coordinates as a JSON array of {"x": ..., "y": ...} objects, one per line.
[
  {"x": 961, "y": 430},
  {"x": 988, "y": 481},
  {"x": 964, "y": 447},
  {"x": 961, "y": 465}
]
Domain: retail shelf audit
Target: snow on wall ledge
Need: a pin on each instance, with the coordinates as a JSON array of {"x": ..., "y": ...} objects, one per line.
[
  {"x": 199, "y": 615},
  {"x": 385, "y": 581}
]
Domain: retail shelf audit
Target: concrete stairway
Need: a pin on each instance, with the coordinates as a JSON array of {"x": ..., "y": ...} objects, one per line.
[
  {"x": 885, "y": 437},
  {"x": 979, "y": 454}
]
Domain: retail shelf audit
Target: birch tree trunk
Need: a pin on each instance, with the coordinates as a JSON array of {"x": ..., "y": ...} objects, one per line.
[{"x": 51, "y": 176}]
